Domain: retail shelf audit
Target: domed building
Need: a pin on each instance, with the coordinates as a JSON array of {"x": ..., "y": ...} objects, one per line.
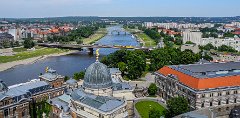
[
  {"x": 94, "y": 99},
  {"x": 97, "y": 80},
  {"x": 100, "y": 95}
]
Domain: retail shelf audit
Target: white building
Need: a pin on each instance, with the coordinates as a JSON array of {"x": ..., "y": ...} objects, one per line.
[
  {"x": 233, "y": 42},
  {"x": 193, "y": 36}
]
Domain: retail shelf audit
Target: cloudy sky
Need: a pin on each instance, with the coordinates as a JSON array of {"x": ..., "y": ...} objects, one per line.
[{"x": 52, "y": 8}]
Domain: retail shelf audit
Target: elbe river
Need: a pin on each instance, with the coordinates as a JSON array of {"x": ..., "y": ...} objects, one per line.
[{"x": 66, "y": 65}]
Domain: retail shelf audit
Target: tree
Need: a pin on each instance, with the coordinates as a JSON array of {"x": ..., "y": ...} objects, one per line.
[
  {"x": 132, "y": 63},
  {"x": 226, "y": 48},
  {"x": 177, "y": 105},
  {"x": 66, "y": 78},
  {"x": 188, "y": 57},
  {"x": 78, "y": 76},
  {"x": 189, "y": 42},
  {"x": 153, "y": 113},
  {"x": 152, "y": 89},
  {"x": 122, "y": 67},
  {"x": 28, "y": 43}
]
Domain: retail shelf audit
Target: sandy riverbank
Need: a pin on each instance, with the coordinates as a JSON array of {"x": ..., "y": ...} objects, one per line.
[{"x": 9, "y": 65}]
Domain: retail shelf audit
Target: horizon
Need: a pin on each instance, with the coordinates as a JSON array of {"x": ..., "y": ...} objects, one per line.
[
  {"x": 121, "y": 17},
  {"x": 119, "y": 8}
]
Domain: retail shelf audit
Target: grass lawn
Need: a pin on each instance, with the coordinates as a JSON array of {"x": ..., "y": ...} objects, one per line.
[
  {"x": 95, "y": 37},
  {"x": 148, "y": 41},
  {"x": 143, "y": 107},
  {"x": 30, "y": 54},
  {"x": 19, "y": 49}
]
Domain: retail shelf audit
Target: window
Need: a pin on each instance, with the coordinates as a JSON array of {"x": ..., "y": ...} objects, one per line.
[
  {"x": 219, "y": 94},
  {"x": 211, "y": 103},
  {"x": 219, "y": 102},
  {"x": 227, "y": 101},
  {"x": 235, "y": 100},
  {"x": 82, "y": 108},
  {"x": 202, "y": 105},
  {"x": 14, "y": 110},
  {"x": 211, "y": 94},
  {"x": 6, "y": 112},
  {"x": 203, "y": 95},
  {"x": 235, "y": 92},
  {"x": 23, "y": 113},
  {"x": 227, "y": 93}
]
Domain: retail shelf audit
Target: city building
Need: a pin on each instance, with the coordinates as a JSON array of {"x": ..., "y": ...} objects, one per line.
[
  {"x": 233, "y": 42},
  {"x": 204, "y": 85},
  {"x": 192, "y": 36},
  {"x": 17, "y": 101},
  {"x": 5, "y": 38},
  {"x": 195, "y": 49},
  {"x": 101, "y": 95}
]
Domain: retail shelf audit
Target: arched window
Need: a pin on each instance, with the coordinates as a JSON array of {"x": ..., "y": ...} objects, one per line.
[
  {"x": 227, "y": 101},
  {"x": 219, "y": 102},
  {"x": 202, "y": 105},
  {"x": 235, "y": 100},
  {"x": 211, "y": 103}
]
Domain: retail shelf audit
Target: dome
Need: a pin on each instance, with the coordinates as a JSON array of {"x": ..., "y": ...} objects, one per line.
[
  {"x": 97, "y": 76},
  {"x": 3, "y": 86},
  {"x": 71, "y": 82}
]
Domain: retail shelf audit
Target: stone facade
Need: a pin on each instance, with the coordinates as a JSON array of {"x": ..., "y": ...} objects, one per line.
[{"x": 220, "y": 100}]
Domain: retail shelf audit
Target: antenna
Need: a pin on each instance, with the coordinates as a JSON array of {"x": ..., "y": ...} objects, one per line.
[{"x": 97, "y": 55}]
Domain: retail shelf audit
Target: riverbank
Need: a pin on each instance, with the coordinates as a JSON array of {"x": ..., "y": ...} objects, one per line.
[
  {"x": 95, "y": 37},
  {"x": 9, "y": 65},
  {"x": 146, "y": 40}
]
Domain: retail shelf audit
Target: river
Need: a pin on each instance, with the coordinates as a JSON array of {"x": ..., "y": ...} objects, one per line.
[{"x": 67, "y": 64}]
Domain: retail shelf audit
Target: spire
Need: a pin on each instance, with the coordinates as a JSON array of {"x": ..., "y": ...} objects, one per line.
[{"x": 97, "y": 55}]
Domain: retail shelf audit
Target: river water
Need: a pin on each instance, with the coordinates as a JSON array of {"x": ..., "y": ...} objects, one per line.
[{"x": 67, "y": 64}]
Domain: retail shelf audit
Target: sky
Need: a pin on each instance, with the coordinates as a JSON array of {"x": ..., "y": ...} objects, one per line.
[{"x": 118, "y": 8}]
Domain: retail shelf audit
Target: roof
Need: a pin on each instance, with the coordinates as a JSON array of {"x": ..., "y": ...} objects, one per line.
[
  {"x": 51, "y": 75},
  {"x": 61, "y": 102},
  {"x": 114, "y": 70},
  {"x": 205, "y": 76},
  {"x": 25, "y": 90},
  {"x": 102, "y": 103},
  {"x": 71, "y": 82},
  {"x": 121, "y": 86},
  {"x": 97, "y": 76}
]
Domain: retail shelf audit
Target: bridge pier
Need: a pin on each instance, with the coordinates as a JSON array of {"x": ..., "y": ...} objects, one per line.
[{"x": 90, "y": 51}]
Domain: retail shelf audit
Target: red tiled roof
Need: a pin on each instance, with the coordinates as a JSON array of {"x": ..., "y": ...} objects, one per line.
[{"x": 201, "y": 83}]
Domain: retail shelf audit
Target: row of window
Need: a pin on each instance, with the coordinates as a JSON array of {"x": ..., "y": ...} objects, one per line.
[
  {"x": 219, "y": 102},
  {"x": 219, "y": 94}
]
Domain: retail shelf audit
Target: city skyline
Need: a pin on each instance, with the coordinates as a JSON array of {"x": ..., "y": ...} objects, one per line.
[{"x": 119, "y": 8}]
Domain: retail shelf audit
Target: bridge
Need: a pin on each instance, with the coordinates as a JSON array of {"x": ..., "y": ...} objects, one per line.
[
  {"x": 89, "y": 47},
  {"x": 119, "y": 32}
]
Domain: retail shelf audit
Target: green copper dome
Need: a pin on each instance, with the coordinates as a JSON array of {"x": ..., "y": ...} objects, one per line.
[{"x": 97, "y": 76}]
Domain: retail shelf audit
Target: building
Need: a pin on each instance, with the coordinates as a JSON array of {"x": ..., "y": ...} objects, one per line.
[
  {"x": 193, "y": 36},
  {"x": 217, "y": 42},
  {"x": 17, "y": 101},
  {"x": 101, "y": 95},
  {"x": 222, "y": 57},
  {"x": 195, "y": 49},
  {"x": 207, "y": 85},
  {"x": 5, "y": 38},
  {"x": 52, "y": 78}
]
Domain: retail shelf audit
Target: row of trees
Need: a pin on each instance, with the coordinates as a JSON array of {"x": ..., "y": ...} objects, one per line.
[
  {"x": 171, "y": 56},
  {"x": 223, "y": 48},
  {"x": 133, "y": 63},
  {"x": 8, "y": 44},
  {"x": 75, "y": 35}
]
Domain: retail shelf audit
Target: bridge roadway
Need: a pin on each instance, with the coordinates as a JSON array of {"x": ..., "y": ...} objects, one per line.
[{"x": 90, "y": 47}]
